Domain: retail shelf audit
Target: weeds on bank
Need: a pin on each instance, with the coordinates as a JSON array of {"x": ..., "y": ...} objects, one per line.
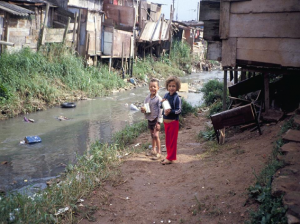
[
  {"x": 31, "y": 80},
  {"x": 271, "y": 209},
  {"x": 77, "y": 182}
]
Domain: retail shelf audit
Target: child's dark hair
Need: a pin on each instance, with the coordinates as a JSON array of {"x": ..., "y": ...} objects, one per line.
[
  {"x": 154, "y": 80},
  {"x": 173, "y": 79}
]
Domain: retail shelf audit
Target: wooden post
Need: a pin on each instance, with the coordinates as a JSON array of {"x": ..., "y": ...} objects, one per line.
[
  {"x": 123, "y": 75},
  {"x": 231, "y": 75},
  {"x": 236, "y": 75},
  {"x": 42, "y": 36},
  {"x": 87, "y": 42},
  {"x": 266, "y": 94},
  {"x": 95, "y": 58},
  {"x": 170, "y": 34},
  {"x": 225, "y": 90},
  {"x": 66, "y": 30},
  {"x": 243, "y": 75},
  {"x": 74, "y": 30},
  {"x": 78, "y": 32},
  {"x": 112, "y": 50}
]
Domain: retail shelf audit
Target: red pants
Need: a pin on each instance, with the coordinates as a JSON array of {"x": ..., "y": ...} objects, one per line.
[{"x": 171, "y": 131}]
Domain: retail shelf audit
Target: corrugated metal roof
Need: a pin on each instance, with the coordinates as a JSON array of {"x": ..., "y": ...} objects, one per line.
[
  {"x": 149, "y": 33},
  {"x": 14, "y": 9}
]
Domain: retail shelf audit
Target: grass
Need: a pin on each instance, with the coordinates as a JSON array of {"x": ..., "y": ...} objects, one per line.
[{"x": 271, "y": 209}]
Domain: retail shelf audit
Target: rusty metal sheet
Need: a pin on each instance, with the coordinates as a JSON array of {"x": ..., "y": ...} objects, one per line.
[{"x": 151, "y": 34}]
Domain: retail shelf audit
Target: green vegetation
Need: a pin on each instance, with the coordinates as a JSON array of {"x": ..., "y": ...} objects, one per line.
[
  {"x": 31, "y": 81},
  {"x": 271, "y": 209},
  {"x": 213, "y": 96}
]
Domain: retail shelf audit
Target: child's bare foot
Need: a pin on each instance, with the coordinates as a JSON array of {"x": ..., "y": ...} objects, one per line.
[
  {"x": 166, "y": 161},
  {"x": 156, "y": 157}
]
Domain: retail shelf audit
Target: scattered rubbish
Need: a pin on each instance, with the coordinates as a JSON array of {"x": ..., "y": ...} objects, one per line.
[
  {"x": 22, "y": 142},
  {"x": 4, "y": 163},
  {"x": 25, "y": 181},
  {"x": 127, "y": 198},
  {"x": 32, "y": 139},
  {"x": 133, "y": 107},
  {"x": 131, "y": 80},
  {"x": 28, "y": 120},
  {"x": 62, "y": 210},
  {"x": 132, "y": 94},
  {"x": 126, "y": 104},
  {"x": 80, "y": 200},
  {"x": 137, "y": 144},
  {"x": 62, "y": 118},
  {"x": 68, "y": 105},
  {"x": 169, "y": 221}
]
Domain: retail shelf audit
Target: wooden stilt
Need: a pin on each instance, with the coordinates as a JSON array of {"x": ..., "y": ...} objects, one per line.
[
  {"x": 266, "y": 93},
  {"x": 225, "y": 90},
  {"x": 235, "y": 75}
]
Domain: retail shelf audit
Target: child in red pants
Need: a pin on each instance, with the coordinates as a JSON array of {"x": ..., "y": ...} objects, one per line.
[{"x": 171, "y": 118}]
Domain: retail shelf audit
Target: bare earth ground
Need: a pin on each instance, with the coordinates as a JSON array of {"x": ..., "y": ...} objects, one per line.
[{"x": 201, "y": 187}]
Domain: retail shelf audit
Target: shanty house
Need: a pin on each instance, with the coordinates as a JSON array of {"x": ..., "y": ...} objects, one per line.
[{"x": 254, "y": 37}]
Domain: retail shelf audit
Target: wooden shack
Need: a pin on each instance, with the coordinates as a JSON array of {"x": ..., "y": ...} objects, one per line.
[{"x": 253, "y": 37}]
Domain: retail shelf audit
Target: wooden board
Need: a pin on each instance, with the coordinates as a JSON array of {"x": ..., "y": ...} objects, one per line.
[
  {"x": 214, "y": 50},
  {"x": 209, "y": 10},
  {"x": 211, "y": 31},
  {"x": 265, "y": 25},
  {"x": 281, "y": 51},
  {"x": 260, "y": 6},
  {"x": 229, "y": 52},
  {"x": 121, "y": 15},
  {"x": 119, "y": 38}
]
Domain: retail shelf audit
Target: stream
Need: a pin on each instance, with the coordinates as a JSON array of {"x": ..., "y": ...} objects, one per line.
[{"x": 24, "y": 166}]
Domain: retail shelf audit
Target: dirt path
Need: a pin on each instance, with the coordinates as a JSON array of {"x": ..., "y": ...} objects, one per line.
[{"x": 207, "y": 184}]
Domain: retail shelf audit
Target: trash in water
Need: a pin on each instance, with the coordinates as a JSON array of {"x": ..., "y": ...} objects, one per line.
[
  {"x": 32, "y": 139},
  {"x": 25, "y": 119},
  {"x": 62, "y": 118},
  {"x": 28, "y": 120},
  {"x": 133, "y": 107},
  {"x": 131, "y": 80}
]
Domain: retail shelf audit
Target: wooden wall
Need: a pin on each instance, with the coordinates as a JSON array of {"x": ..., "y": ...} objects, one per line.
[{"x": 260, "y": 31}]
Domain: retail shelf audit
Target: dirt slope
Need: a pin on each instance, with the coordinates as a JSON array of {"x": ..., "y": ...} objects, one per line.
[{"x": 207, "y": 184}]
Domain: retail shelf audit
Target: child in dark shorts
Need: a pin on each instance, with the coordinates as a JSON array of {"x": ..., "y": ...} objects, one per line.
[{"x": 154, "y": 117}]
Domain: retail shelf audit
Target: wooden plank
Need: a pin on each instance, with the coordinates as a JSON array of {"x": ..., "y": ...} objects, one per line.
[
  {"x": 224, "y": 20},
  {"x": 265, "y": 25},
  {"x": 261, "y": 6},
  {"x": 211, "y": 31},
  {"x": 229, "y": 52},
  {"x": 209, "y": 10},
  {"x": 214, "y": 50},
  {"x": 284, "y": 52}
]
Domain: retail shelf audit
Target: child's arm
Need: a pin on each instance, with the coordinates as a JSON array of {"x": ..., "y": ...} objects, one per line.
[
  {"x": 160, "y": 117},
  {"x": 177, "y": 109}
]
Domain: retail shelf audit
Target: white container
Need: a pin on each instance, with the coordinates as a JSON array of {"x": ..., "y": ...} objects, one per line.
[
  {"x": 147, "y": 108},
  {"x": 166, "y": 105}
]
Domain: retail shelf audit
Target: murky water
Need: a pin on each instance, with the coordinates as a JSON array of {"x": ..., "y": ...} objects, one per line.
[{"x": 90, "y": 121}]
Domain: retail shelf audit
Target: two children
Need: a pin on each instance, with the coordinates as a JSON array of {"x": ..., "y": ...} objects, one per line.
[{"x": 170, "y": 117}]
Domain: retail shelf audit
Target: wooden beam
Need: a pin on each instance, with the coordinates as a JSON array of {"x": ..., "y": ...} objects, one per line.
[
  {"x": 74, "y": 30},
  {"x": 42, "y": 36},
  {"x": 236, "y": 75},
  {"x": 78, "y": 31},
  {"x": 6, "y": 43},
  {"x": 224, "y": 20},
  {"x": 66, "y": 30}
]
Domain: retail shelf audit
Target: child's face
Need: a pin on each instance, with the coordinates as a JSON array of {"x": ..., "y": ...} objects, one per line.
[
  {"x": 172, "y": 87},
  {"x": 153, "y": 87}
]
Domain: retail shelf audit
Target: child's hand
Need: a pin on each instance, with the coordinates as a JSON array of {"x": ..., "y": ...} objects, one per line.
[
  {"x": 167, "y": 112},
  {"x": 143, "y": 109}
]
